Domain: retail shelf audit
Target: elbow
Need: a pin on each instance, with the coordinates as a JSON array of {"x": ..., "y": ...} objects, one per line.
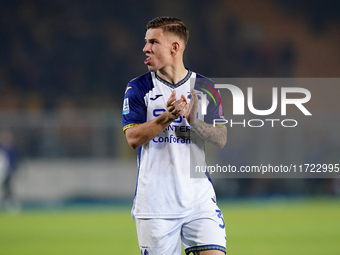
[
  {"x": 133, "y": 144},
  {"x": 221, "y": 145},
  {"x": 131, "y": 139},
  {"x": 223, "y": 141}
]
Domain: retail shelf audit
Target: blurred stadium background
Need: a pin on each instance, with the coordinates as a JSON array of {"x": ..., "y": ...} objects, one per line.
[{"x": 64, "y": 66}]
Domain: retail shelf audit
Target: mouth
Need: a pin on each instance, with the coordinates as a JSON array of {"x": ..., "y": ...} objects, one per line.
[{"x": 147, "y": 60}]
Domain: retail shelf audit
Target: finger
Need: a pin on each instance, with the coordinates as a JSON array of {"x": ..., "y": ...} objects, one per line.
[
  {"x": 171, "y": 108},
  {"x": 184, "y": 98},
  {"x": 194, "y": 95},
  {"x": 174, "y": 109},
  {"x": 170, "y": 101},
  {"x": 178, "y": 107},
  {"x": 181, "y": 105},
  {"x": 172, "y": 98},
  {"x": 178, "y": 102},
  {"x": 181, "y": 111},
  {"x": 175, "y": 114},
  {"x": 173, "y": 94},
  {"x": 194, "y": 99}
]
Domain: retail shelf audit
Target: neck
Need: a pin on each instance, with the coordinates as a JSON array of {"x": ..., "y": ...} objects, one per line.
[{"x": 173, "y": 74}]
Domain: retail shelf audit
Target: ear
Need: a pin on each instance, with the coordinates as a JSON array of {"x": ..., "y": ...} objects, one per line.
[{"x": 175, "y": 48}]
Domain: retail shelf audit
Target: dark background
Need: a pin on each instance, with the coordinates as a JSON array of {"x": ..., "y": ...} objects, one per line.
[
  {"x": 82, "y": 53},
  {"x": 64, "y": 66}
]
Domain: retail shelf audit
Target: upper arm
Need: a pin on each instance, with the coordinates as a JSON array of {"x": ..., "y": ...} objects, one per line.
[
  {"x": 130, "y": 138},
  {"x": 224, "y": 132},
  {"x": 134, "y": 108},
  {"x": 215, "y": 111}
]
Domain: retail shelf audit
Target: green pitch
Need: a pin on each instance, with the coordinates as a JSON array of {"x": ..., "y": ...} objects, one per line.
[{"x": 285, "y": 227}]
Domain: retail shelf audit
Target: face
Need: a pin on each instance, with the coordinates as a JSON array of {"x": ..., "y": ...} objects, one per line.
[{"x": 157, "y": 49}]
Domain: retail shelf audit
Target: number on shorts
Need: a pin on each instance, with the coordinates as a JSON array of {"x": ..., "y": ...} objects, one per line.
[{"x": 219, "y": 214}]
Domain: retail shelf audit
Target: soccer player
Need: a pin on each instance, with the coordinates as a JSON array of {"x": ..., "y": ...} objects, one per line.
[
  {"x": 160, "y": 116},
  {"x": 8, "y": 168}
]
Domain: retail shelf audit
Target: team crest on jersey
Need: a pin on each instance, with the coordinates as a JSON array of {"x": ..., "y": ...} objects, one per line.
[{"x": 126, "y": 107}]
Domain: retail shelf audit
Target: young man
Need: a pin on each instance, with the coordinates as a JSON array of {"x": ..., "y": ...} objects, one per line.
[{"x": 160, "y": 116}]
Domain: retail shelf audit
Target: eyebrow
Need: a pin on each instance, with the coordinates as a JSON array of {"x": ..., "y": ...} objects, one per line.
[{"x": 151, "y": 39}]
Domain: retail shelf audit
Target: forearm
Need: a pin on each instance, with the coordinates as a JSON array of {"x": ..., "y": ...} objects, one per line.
[
  {"x": 216, "y": 135},
  {"x": 143, "y": 133}
]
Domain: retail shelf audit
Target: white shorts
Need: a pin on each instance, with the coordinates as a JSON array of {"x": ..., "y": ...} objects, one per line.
[{"x": 202, "y": 230}]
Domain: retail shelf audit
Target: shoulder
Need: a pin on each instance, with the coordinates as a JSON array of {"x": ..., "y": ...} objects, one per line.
[
  {"x": 143, "y": 82},
  {"x": 207, "y": 86},
  {"x": 204, "y": 81},
  {"x": 139, "y": 86},
  {"x": 142, "y": 79}
]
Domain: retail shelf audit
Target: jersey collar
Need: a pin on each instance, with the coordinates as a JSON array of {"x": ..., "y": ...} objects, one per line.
[{"x": 177, "y": 84}]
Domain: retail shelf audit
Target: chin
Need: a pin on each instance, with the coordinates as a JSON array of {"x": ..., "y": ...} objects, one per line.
[{"x": 152, "y": 68}]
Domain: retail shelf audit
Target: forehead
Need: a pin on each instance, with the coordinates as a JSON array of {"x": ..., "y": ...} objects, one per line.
[{"x": 154, "y": 33}]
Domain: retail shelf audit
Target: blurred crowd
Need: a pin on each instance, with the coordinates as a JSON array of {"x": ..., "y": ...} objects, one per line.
[
  {"x": 82, "y": 53},
  {"x": 57, "y": 54},
  {"x": 319, "y": 13}
]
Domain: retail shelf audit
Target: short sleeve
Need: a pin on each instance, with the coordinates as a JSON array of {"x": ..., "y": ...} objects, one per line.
[
  {"x": 134, "y": 108},
  {"x": 214, "y": 108}
]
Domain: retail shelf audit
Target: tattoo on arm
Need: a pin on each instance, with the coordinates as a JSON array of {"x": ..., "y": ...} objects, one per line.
[{"x": 216, "y": 135}]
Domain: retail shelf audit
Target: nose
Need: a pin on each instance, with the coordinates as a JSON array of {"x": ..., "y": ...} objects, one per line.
[{"x": 146, "y": 48}]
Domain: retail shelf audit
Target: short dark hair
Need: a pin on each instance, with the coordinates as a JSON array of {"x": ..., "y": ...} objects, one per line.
[{"x": 170, "y": 24}]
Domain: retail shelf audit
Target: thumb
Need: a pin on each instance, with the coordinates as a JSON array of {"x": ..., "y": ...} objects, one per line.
[
  {"x": 173, "y": 94},
  {"x": 172, "y": 98}
]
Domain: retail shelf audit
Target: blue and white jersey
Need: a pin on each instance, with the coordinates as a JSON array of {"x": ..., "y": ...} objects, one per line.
[{"x": 164, "y": 188}]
